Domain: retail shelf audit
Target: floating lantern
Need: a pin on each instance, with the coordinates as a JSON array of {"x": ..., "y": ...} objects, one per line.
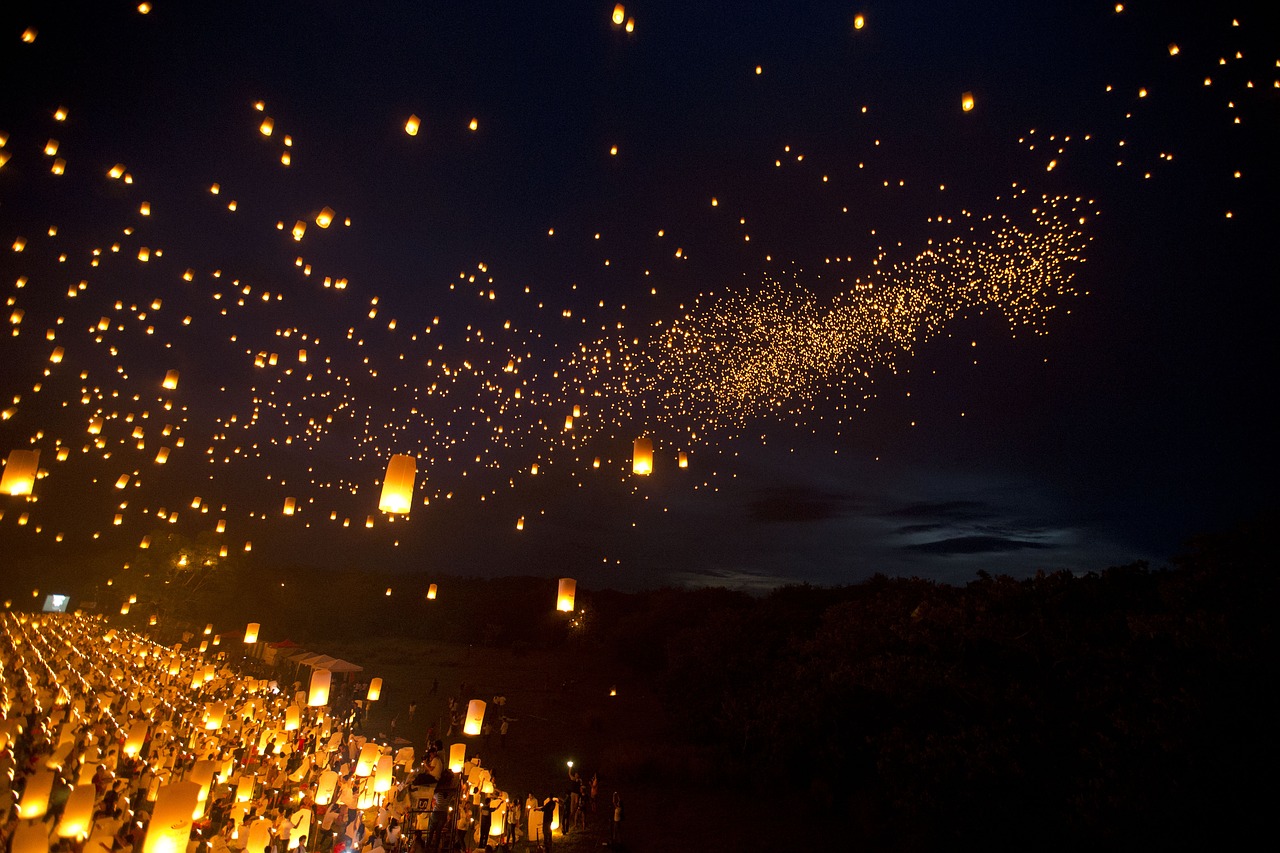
[
  {"x": 214, "y": 713},
  {"x": 619, "y": 15},
  {"x": 325, "y": 787},
  {"x": 299, "y": 228},
  {"x": 268, "y": 125},
  {"x": 318, "y": 695},
  {"x": 137, "y": 736},
  {"x": 162, "y": 456},
  {"x": 859, "y": 21},
  {"x": 565, "y": 594},
  {"x": 683, "y": 459},
  {"x": 251, "y": 632},
  {"x": 431, "y": 593},
  {"x": 325, "y": 217},
  {"x": 368, "y": 758},
  {"x": 35, "y": 798},
  {"x": 475, "y": 717},
  {"x": 375, "y": 690},
  {"x": 244, "y": 788},
  {"x": 289, "y": 505},
  {"x": 411, "y": 126},
  {"x": 56, "y": 356},
  {"x": 382, "y": 777},
  {"x": 966, "y": 101},
  {"x": 642, "y": 457},
  {"x": 292, "y": 718},
  {"x": 20, "y": 472},
  {"x": 457, "y": 757},
  {"x": 171, "y": 380},
  {"x": 124, "y": 609},
  {"x": 77, "y": 815},
  {"x": 397, "y": 486}
]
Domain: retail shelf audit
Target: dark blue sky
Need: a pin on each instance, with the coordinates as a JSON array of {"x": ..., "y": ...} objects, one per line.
[{"x": 1137, "y": 420}]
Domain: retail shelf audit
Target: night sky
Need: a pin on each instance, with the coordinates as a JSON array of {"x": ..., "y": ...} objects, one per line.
[{"x": 892, "y": 334}]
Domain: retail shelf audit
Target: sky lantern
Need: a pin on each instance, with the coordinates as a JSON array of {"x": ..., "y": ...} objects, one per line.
[
  {"x": 382, "y": 775},
  {"x": 565, "y": 594},
  {"x": 325, "y": 217},
  {"x": 251, "y": 632},
  {"x": 292, "y": 718},
  {"x": 137, "y": 734},
  {"x": 290, "y": 504},
  {"x": 397, "y": 486},
  {"x": 244, "y": 788},
  {"x": 56, "y": 356},
  {"x": 35, "y": 798},
  {"x": 642, "y": 457},
  {"x": 375, "y": 690},
  {"x": 20, "y": 472},
  {"x": 966, "y": 101},
  {"x": 170, "y": 827},
  {"x": 30, "y": 837},
  {"x": 457, "y": 757},
  {"x": 325, "y": 787},
  {"x": 683, "y": 459},
  {"x": 367, "y": 760},
  {"x": 77, "y": 814},
  {"x": 318, "y": 695},
  {"x": 171, "y": 380},
  {"x": 214, "y": 714},
  {"x": 859, "y": 21},
  {"x": 411, "y": 126},
  {"x": 268, "y": 125},
  {"x": 299, "y": 228},
  {"x": 475, "y": 717},
  {"x": 431, "y": 593},
  {"x": 619, "y": 15}
]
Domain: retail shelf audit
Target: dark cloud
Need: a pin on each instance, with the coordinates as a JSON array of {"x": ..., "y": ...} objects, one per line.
[
  {"x": 798, "y": 504},
  {"x": 976, "y": 545},
  {"x": 943, "y": 511}
]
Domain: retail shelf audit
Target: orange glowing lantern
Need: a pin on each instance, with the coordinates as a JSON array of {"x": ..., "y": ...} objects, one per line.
[
  {"x": 20, "y": 471},
  {"x": 397, "y": 486},
  {"x": 375, "y": 690},
  {"x": 318, "y": 695},
  {"x": 475, "y": 717},
  {"x": 565, "y": 594},
  {"x": 642, "y": 457},
  {"x": 251, "y": 632}
]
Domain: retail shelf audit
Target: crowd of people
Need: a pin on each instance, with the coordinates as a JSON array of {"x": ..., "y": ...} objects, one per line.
[{"x": 99, "y": 727}]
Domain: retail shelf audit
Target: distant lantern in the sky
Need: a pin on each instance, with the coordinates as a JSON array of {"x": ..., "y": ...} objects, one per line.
[
  {"x": 568, "y": 422},
  {"x": 397, "y": 486},
  {"x": 302, "y": 356},
  {"x": 325, "y": 217},
  {"x": 268, "y": 124},
  {"x": 290, "y": 504},
  {"x": 1173, "y": 50},
  {"x": 375, "y": 690},
  {"x": 251, "y": 632},
  {"x": 619, "y": 15},
  {"x": 475, "y": 717},
  {"x": 475, "y": 124},
  {"x": 859, "y": 21},
  {"x": 642, "y": 457},
  {"x": 431, "y": 593},
  {"x": 966, "y": 101},
  {"x": 299, "y": 228},
  {"x": 56, "y": 355},
  {"x": 411, "y": 126},
  {"x": 595, "y": 463},
  {"x": 122, "y": 481},
  {"x": 565, "y": 593},
  {"x": 171, "y": 380},
  {"x": 20, "y": 472},
  {"x": 683, "y": 459},
  {"x": 520, "y": 523},
  {"x": 29, "y": 34},
  {"x": 162, "y": 456}
]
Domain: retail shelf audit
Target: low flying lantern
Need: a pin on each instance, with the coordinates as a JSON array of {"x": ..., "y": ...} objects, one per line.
[
  {"x": 292, "y": 718},
  {"x": 382, "y": 777},
  {"x": 431, "y": 593},
  {"x": 565, "y": 594},
  {"x": 325, "y": 787},
  {"x": 683, "y": 459},
  {"x": 375, "y": 690},
  {"x": 475, "y": 717},
  {"x": 966, "y": 101},
  {"x": 325, "y": 217},
  {"x": 619, "y": 15},
  {"x": 137, "y": 736},
  {"x": 397, "y": 486},
  {"x": 367, "y": 760},
  {"x": 77, "y": 815},
  {"x": 290, "y": 504},
  {"x": 411, "y": 126},
  {"x": 457, "y": 757},
  {"x": 642, "y": 457},
  {"x": 171, "y": 380},
  {"x": 244, "y": 788},
  {"x": 251, "y": 632},
  {"x": 35, "y": 798},
  {"x": 20, "y": 472},
  {"x": 318, "y": 695},
  {"x": 214, "y": 713}
]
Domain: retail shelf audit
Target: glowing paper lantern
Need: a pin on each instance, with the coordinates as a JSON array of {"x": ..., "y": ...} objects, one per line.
[
  {"x": 375, "y": 690},
  {"x": 170, "y": 827},
  {"x": 214, "y": 714},
  {"x": 318, "y": 695},
  {"x": 171, "y": 380},
  {"x": 475, "y": 717},
  {"x": 289, "y": 505},
  {"x": 35, "y": 799},
  {"x": 292, "y": 718},
  {"x": 457, "y": 757},
  {"x": 642, "y": 457},
  {"x": 565, "y": 594},
  {"x": 30, "y": 837},
  {"x": 20, "y": 472},
  {"x": 301, "y": 820},
  {"x": 431, "y": 593},
  {"x": 367, "y": 760},
  {"x": 382, "y": 775},
  {"x": 244, "y": 788},
  {"x": 251, "y": 632},
  {"x": 325, "y": 787},
  {"x": 397, "y": 486},
  {"x": 77, "y": 815},
  {"x": 259, "y": 835},
  {"x": 619, "y": 15},
  {"x": 411, "y": 126},
  {"x": 137, "y": 735},
  {"x": 966, "y": 101},
  {"x": 325, "y": 217}
]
